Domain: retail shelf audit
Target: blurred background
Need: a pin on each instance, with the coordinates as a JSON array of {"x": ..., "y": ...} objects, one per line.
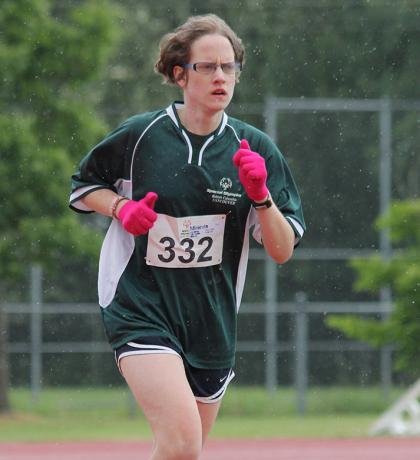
[{"x": 335, "y": 83}]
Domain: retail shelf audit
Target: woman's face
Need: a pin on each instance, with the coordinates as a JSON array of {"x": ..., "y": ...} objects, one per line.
[{"x": 208, "y": 93}]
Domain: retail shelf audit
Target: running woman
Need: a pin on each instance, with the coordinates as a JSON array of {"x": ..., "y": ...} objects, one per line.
[{"x": 184, "y": 187}]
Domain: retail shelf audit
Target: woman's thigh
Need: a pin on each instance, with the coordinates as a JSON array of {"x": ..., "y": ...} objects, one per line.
[{"x": 160, "y": 387}]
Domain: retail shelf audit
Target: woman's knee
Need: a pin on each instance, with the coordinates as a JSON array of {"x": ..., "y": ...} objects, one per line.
[
  {"x": 182, "y": 444},
  {"x": 179, "y": 449}
]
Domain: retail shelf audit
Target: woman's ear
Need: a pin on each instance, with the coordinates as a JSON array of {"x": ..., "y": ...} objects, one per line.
[{"x": 180, "y": 76}]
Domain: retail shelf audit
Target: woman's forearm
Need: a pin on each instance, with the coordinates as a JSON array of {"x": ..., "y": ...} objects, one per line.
[
  {"x": 102, "y": 201},
  {"x": 277, "y": 234}
]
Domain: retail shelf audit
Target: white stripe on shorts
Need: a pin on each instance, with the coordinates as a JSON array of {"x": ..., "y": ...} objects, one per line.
[{"x": 144, "y": 350}]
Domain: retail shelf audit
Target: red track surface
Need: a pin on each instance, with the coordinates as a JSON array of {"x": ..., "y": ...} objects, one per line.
[{"x": 273, "y": 449}]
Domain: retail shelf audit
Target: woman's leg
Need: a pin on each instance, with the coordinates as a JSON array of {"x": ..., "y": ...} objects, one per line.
[
  {"x": 160, "y": 387},
  {"x": 208, "y": 413}
]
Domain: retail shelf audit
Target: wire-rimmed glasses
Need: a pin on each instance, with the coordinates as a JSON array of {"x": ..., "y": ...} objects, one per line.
[{"x": 208, "y": 68}]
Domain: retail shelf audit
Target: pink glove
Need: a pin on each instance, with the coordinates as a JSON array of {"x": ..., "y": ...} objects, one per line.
[
  {"x": 138, "y": 217},
  {"x": 252, "y": 171}
]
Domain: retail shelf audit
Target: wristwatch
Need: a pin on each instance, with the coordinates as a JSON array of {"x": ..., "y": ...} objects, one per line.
[{"x": 264, "y": 205}]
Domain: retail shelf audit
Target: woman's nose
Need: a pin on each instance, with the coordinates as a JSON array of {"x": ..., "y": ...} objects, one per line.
[{"x": 219, "y": 74}]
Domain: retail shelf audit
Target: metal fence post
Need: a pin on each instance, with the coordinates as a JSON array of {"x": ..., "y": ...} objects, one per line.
[
  {"x": 385, "y": 197},
  {"x": 270, "y": 325},
  {"x": 270, "y": 117},
  {"x": 4, "y": 365},
  {"x": 36, "y": 331},
  {"x": 271, "y": 380},
  {"x": 301, "y": 352}
]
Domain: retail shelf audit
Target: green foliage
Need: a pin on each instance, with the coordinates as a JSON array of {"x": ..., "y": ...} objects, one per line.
[
  {"x": 402, "y": 273},
  {"x": 50, "y": 59},
  {"x": 375, "y": 332},
  {"x": 403, "y": 222}
]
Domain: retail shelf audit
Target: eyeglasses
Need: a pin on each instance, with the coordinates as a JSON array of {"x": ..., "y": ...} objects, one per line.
[{"x": 208, "y": 68}]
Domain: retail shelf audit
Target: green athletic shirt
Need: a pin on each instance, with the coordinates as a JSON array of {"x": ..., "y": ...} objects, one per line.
[{"x": 184, "y": 279}]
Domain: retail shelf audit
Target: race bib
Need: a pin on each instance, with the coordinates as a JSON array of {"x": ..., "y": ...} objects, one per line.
[{"x": 186, "y": 242}]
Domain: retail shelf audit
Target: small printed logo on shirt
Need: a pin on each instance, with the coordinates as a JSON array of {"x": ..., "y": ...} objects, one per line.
[
  {"x": 222, "y": 379},
  {"x": 223, "y": 196}
]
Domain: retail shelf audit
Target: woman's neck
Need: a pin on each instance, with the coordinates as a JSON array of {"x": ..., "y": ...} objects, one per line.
[{"x": 199, "y": 123}]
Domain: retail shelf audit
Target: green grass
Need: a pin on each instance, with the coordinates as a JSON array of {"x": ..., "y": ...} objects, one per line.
[
  {"x": 101, "y": 413},
  {"x": 326, "y": 400},
  {"x": 292, "y": 426}
]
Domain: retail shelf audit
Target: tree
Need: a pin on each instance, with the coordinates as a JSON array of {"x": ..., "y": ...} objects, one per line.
[
  {"x": 48, "y": 64},
  {"x": 402, "y": 273},
  {"x": 50, "y": 57}
]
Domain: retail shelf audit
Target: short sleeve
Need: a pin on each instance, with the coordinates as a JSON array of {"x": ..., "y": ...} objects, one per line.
[
  {"x": 102, "y": 168},
  {"x": 283, "y": 188}
]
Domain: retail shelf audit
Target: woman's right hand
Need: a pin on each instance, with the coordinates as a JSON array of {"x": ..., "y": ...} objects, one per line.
[{"x": 138, "y": 217}]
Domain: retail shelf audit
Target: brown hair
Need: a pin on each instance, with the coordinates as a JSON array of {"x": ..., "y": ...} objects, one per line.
[{"x": 175, "y": 47}]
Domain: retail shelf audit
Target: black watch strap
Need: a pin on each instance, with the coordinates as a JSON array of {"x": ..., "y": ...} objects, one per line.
[{"x": 265, "y": 204}]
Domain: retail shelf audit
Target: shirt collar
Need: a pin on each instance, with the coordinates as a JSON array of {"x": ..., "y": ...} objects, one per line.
[{"x": 173, "y": 114}]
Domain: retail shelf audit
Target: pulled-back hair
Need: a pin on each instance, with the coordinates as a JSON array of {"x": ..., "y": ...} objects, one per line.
[{"x": 175, "y": 47}]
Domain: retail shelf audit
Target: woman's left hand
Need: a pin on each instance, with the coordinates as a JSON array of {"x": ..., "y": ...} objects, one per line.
[{"x": 252, "y": 171}]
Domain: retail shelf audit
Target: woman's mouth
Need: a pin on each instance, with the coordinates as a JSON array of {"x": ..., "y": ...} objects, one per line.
[{"x": 219, "y": 92}]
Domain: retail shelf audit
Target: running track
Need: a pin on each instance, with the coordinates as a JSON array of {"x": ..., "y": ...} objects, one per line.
[{"x": 273, "y": 449}]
